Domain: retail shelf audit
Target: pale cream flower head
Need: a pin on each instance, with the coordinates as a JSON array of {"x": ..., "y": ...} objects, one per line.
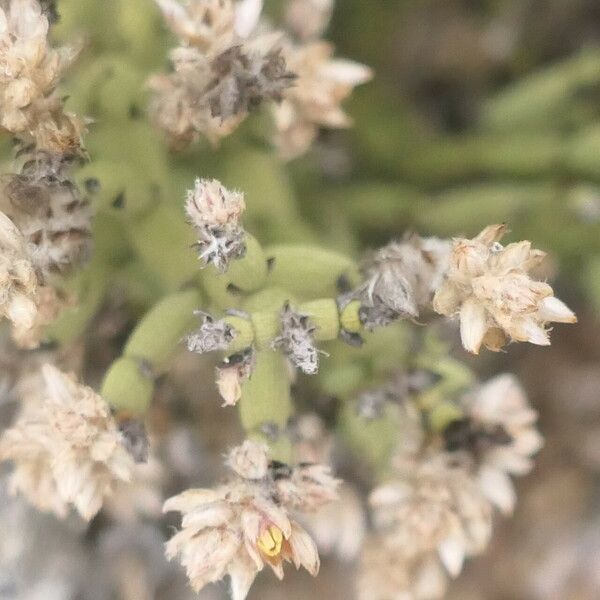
[
  {"x": 211, "y": 204},
  {"x": 315, "y": 99},
  {"x": 500, "y": 413},
  {"x": 489, "y": 288},
  {"x": 67, "y": 449},
  {"x": 434, "y": 509},
  {"x": 30, "y": 71},
  {"x": 242, "y": 526}
]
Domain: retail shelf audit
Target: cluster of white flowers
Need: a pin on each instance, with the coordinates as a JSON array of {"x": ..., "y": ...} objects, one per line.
[
  {"x": 489, "y": 288},
  {"x": 229, "y": 62},
  {"x": 51, "y": 215},
  {"x": 30, "y": 70},
  {"x": 66, "y": 448},
  {"x": 437, "y": 510},
  {"x": 246, "y": 524}
]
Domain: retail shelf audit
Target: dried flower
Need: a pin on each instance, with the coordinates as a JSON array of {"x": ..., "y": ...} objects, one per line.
[
  {"x": 241, "y": 526},
  {"x": 51, "y": 212},
  {"x": 488, "y": 286},
  {"x": 315, "y": 99},
  {"x": 502, "y": 436},
  {"x": 211, "y": 336},
  {"x": 221, "y": 73},
  {"x": 308, "y": 19},
  {"x": 400, "y": 280},
  {"x": 29, "y": 74},
  {"x": 66, "y": 450},
  {"x": 215, "y": 213},
  {"x": 232, "y": 373},
  {"x": 245, "y": 80},
  {"x": 296, "y": 340},
  {"x": 434, "y": 508}
]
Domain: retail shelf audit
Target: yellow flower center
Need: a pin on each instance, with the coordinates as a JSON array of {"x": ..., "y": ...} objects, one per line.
[{"x": 270, "y": 541}]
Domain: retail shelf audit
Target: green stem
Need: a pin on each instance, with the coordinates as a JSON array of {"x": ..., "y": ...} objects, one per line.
[
  {"x": 309, "y": 272},
  {"x": 266, "y": 401},
  {"x": 129, "y": 383}
]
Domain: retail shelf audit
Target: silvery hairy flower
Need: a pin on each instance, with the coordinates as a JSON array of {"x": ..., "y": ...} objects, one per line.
[
  {"x": 51, "y": 212},
  {"x": 67, "y": 449},
  {"x": 243, "y": 525},
  {"x": 500, "y": 432},
  {"x": 215, "y": 213},
  {"x": 211, "y": 336},
  {"x": 400, "y": 279},
  {"x": 432, "y": 509},
  {"x": 296, "y": 340},
  {"x": 308, "y": 19},
  {"x": 221, "y": 72},
  {"x": 488, "y": 287},
  {"x": 30, "y": 71},
  {"x": 315, "y": 100},
  {"x": 231, "y": 373}
]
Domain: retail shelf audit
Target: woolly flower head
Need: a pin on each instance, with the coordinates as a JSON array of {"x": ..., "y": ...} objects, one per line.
[
  {"x": 500, "y": 432},
  {"x": 210, "y": 204},
  {"x": 489, "y": 287},
  {"x": 222, "y": 71},
  {"x": 29, "y": 72},
  {"x": 215, "y": 213},
  {"x": 401, "y": 278},
  {"x": 432, "y": 515},
  {"x": 243, "y": 525},
  {"x": 66, "y": 449}
]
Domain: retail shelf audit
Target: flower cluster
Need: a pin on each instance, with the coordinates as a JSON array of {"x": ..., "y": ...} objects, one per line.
[
  {"x": 215, "y": 213},
  {"x": 427, "y": 522},
  {"x": 488, "y": 286},
  {"x": 499, "y": 432},
  {"x": 437, "y": 509},
  {"x": 66, "y": 448},
  {"x": 221, "y": 71},
  {"x": 245, "y": 524},
  {"x": 51, "y": 214},
  {"x": 30, "y": 70},
  {"x": 229, "y": 63},
  {"x": 315, "y": 101}
]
